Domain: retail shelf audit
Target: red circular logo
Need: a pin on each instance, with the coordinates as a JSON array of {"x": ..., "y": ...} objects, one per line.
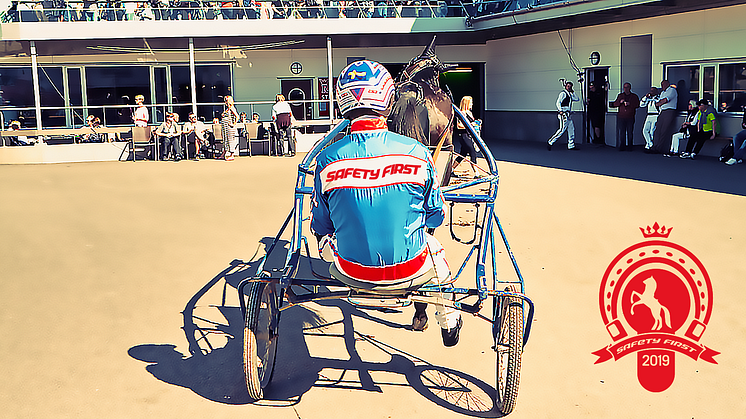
[{"x": 656, "y": 298}]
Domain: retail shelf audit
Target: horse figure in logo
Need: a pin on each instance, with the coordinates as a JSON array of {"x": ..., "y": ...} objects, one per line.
[{"x": 421, "y": 109}]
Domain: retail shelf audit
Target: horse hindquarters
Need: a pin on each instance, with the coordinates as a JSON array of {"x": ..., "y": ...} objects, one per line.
[{"x": 407, "y": 116}]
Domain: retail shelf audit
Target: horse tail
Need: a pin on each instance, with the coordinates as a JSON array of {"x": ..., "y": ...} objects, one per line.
[
  {"x": 404, "y": 118},
  {"x": 666, "y": 316},
  {"x": 412, "y": 126}
]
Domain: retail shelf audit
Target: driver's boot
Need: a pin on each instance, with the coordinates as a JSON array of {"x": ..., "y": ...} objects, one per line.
[
  {"x": 450, "y": 336},
  {"x": 419, "y": 321}
]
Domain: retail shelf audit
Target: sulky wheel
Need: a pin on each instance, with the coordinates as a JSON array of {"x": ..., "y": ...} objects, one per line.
[
  {"x": 260, "y": 336},
  {"x": 509, "y": 347}
]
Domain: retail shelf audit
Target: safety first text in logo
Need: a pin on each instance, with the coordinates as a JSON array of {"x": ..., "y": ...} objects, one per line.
[{"x": 656, "y": 300}]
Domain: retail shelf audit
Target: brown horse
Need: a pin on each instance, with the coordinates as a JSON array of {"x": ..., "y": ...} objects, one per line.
[{"x": 422, "y": 110}]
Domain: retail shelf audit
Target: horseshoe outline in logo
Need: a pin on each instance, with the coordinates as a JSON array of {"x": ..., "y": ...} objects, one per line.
[{"x": 655, "y": 300}]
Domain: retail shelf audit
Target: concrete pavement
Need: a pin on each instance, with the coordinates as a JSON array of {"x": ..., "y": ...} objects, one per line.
[{"x": 117, "y": 299}]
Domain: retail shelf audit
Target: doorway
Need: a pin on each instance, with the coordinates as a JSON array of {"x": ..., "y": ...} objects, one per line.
[
  {"x": 296, "y": 91},
  {"x": 594, "y": 128}
]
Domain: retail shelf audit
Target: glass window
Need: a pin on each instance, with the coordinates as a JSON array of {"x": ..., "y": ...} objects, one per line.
[
  {"x": 732, "y": 85},
  {"x": 17, "y": 90},
  {"x": 75, "y": 94},
  {"x": 161, "y": 88},
  {"x": 708, "y": 84},
  {"x": 213, "y": 83},
  {"x": 180, "y": 84},
  {"x": 686, "y": 79},
  {"x": 116, "y": 86},
  {"x": 51, "y": 88}
]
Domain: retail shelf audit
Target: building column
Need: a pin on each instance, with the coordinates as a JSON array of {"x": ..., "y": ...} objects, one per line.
[
  {"x": 35, "y": 75},
  {"x": 331, "y": 77},
  {"x": 192, "y": 76}
]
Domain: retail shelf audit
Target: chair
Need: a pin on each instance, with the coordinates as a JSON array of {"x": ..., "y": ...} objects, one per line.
[
  {"x": 252, "y": 132},
  {"x": 141, "y": 141},
  {"x": 244, "y": 145},
  {"x": 217, "y": 146}
]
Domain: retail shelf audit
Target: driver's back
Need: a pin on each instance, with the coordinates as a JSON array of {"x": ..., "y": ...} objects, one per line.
[{"x": 377, "y": 191}]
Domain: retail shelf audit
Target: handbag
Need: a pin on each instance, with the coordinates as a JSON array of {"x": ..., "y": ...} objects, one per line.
[{"x": 477, "y": 126}]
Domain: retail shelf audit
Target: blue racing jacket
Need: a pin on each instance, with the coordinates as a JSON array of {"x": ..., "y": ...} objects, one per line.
[{"x": 377, "y": 192}]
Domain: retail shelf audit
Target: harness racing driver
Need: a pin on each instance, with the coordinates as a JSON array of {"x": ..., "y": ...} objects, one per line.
[{"x": 375, "y": 194}]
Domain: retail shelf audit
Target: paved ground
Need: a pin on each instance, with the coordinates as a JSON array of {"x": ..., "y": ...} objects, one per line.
[{"x": 117, "y": 296}]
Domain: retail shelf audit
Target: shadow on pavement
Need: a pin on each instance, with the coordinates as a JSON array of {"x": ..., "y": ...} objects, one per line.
[
  {"x": 705, "y": 172},
  {"x": 214, "y": 367}
]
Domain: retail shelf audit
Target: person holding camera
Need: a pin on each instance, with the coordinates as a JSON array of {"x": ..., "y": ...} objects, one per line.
[
  {"x": 627, "y": 102},
  {"x": 564, "y": 108}
]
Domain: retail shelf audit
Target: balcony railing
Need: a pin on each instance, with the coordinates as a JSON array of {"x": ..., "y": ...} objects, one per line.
[
  {"x": 91, "y": 11},
  {"x": 48, "y": 11}
]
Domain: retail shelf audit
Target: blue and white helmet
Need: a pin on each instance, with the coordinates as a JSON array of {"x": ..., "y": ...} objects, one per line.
[{"x": 365, "y": 85}]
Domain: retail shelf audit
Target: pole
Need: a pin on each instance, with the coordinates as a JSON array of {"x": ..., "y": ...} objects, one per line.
[
  {"x": 192, "y": 77},
  {"x": 35, "y": 75},
  {"x": 331, "y": 78}
]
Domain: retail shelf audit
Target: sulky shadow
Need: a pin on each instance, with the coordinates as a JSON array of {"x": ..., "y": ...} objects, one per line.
[{"x": 213, "y": 368}]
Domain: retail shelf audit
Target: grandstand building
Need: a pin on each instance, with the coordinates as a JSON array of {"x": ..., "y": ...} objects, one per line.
[{"x": 61, "y": 61}]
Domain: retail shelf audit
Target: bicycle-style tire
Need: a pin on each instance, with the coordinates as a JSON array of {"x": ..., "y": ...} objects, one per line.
[
  {"x": 260, "y": 336},
  {"x": 509, "y": 348}
]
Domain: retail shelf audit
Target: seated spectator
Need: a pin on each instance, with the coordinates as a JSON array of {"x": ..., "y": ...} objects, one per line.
[
  {"x": 707, "y": 128},
  {"x": 196, "y": 135},
  {"x": 168, "y": 133},
  {"x": 262, "y": 133},
  {"x": 685, "y": 131},
  {"x": 739, "y": 144},
  {"x": 93, "y": 122},
  {"x": 19, "y": 140},
  {"x": 243, "y": 119},
  {"x": 144, "y": 11}
]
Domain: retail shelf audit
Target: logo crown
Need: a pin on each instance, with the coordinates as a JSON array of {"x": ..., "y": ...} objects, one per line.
[{"x": 656, "y": 231}]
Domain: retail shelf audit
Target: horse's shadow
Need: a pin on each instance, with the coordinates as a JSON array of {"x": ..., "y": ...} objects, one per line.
[{"x": 213, "y": 368}]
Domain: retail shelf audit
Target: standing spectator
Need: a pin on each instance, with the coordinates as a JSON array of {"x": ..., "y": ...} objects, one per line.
[
  {"x": 597, "y": 110},
  {"x": 685, "y": 132},
  {"x": 649, "y": 101},
  {"x": 282, "y": 115},
  {"x": 564, "y": 107},
  {"x": 707, "y": 128},
  {"x": 230, "y": 132},
  {"x": 666, "y": 118},
  {"x": 169, "y": 132},
  {"x": 464, "y": 137},
  {"x": 141, "y": 116},
  {"x": 739, "y": 144},
  {"x": 627, "y": 102}
]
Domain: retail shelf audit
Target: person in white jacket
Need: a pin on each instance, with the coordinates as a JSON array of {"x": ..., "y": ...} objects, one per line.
[
  {"x": 649, "y": 101},
  {"x": 564, "y": 107}
]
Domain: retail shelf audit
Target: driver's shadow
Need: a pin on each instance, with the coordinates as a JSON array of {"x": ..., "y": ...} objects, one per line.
[{"x": 214, "y": 367}]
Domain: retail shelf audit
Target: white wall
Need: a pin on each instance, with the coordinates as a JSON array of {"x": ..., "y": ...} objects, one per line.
[{"x": 522, "y": 72}]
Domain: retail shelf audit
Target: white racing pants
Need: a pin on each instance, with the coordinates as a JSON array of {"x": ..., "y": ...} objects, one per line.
[
  {"x": 436, "y": 264},
  {"x": 648, "y": 129},
  {"x": 565, "y": 124}
]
